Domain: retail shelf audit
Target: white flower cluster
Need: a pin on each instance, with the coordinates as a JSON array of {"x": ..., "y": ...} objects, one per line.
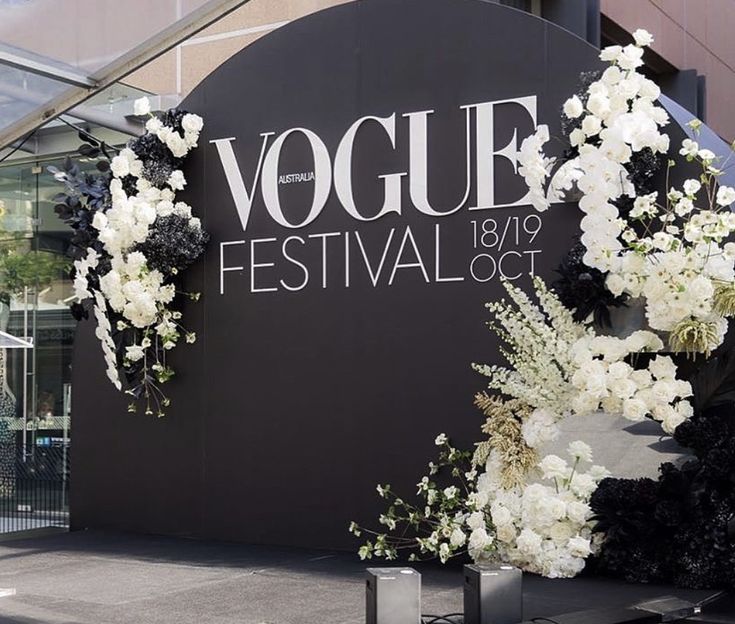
[
  {"x": 540, "y": 528},
  {"x": 678, "y": 268},
  {"x": 560, "y": 368},
  {"x": 618, "y": 118},
  {"x": 131, "y": 288},
  {"x": 672, "y": 256},
  {"x": 604, "y": 380}
]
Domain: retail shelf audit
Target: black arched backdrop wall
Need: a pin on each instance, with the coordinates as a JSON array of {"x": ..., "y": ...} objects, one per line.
[{"x": 343, "y": 289}]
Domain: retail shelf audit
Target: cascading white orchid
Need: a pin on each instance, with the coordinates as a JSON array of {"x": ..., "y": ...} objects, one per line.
[{"x": 670, "y": 254}]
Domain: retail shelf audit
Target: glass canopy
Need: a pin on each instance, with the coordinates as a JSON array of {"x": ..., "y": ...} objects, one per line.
[{"x": 55, "y": 54}]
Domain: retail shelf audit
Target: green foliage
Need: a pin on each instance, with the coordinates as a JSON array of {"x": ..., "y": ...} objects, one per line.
[{"x": 22, "y": 268}]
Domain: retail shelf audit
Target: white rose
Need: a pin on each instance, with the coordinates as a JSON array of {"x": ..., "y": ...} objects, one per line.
[
  {"x": 476, "y": 520},
  {"x": 177, "y": 145},
  {"x": 142, "y": 106},
  {"x": 634, "y": 409},
  {"x": 578, "y": 511},
  {"x": 176, "y": 180},
  {"x": 623, "y": 388},
  {"x": 662, "y": 367},
  {"x": 598, "y": 473},
  {"x": 500, "y": 514},
  {"x": 583, "y": 485},
  {"x": 529, "y": 542},
  {"x": 560, "y": 532},
  {"x": 153, "y": 125},
  {"x": 505, "y": 533},
  {"x": 120, "y": 166},
  {"x": 610, "y": 53},
  {"x": 615, "y": 284},
  {"x": 553, "y": 467},
  {"x": 577, "y": 137},
  {"x": 479, "y": 539},
  {"x": 192, "y": 123},
  {"x": 579, "y": 547},
  {"x": 642, "y": 37},
  {"x": 591, "y": 125},
  {"x": 578, "y": 450}
]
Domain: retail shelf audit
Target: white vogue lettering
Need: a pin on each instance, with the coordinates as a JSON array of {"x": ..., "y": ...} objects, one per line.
[{"x": 325, "y": 174}]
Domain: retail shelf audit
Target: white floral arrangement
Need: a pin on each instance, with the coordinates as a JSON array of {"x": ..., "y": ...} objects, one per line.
[
  {"x": 670, "y": 252},
  {"x": 547, "y": 515},
  {"x": 451, "y": 520},
  {"x": 561, "y": 367},
  {"x": 132, "y": 238},
  {"x": 544, "y": 527}
]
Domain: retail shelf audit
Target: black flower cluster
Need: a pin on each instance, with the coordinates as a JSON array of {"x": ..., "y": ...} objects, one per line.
[
  {"x": 642, "y": 169},
  {"x": 582, "y": 289},
  {"x": 158, "y": 161},
  {"x": 681, "y": 528},
  {"x": 173, "y": 243}
]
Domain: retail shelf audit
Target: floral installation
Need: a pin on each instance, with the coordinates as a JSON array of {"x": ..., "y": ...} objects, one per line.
[
  {"x": 450, "y": 520},
  {"x": 560, "y": 367},
  {"x": 668, "y": 251},
  {"x": 540, "y": 527},
  {"x": 131, "y": 239}
]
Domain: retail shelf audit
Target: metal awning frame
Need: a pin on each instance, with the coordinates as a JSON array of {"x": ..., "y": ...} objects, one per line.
[{"x": 83, "y": 87}]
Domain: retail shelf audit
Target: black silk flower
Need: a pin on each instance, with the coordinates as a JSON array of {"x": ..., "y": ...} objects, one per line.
[
  {"x": 582, "y": 289},
  {"x": 681, "y": 528}
]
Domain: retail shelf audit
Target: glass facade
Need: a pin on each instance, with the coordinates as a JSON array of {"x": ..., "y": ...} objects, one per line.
[{"x": 35, "y": 406}]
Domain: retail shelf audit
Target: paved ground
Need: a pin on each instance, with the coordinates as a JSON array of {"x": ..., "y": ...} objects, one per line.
[{"x": 111, "y": 578}]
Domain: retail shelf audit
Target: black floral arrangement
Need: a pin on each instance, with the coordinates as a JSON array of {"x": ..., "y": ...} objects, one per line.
[{"x": 131, "y": 238}]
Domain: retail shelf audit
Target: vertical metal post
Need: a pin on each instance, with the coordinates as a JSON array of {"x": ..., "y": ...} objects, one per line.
[{"x": 25, "y": 374}]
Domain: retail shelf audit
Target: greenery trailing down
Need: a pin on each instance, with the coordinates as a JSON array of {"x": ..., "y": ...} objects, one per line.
[{"x": 445, "y": 523}]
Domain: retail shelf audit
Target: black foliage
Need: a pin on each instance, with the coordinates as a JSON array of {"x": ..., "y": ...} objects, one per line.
[
  {"x": 582, "y": 289},
  {"x": 714, "y": 382},
  {"x": 681, "y": 528},
  {"x": 173, "y": 244},
  {"x": 85, "y": 194},
  {"x": 642, "y": 169}
]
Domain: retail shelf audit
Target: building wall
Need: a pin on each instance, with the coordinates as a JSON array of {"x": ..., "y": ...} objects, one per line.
[
  {"x": 180, "y": 70},
  {"x": 690, "y": 34}
]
